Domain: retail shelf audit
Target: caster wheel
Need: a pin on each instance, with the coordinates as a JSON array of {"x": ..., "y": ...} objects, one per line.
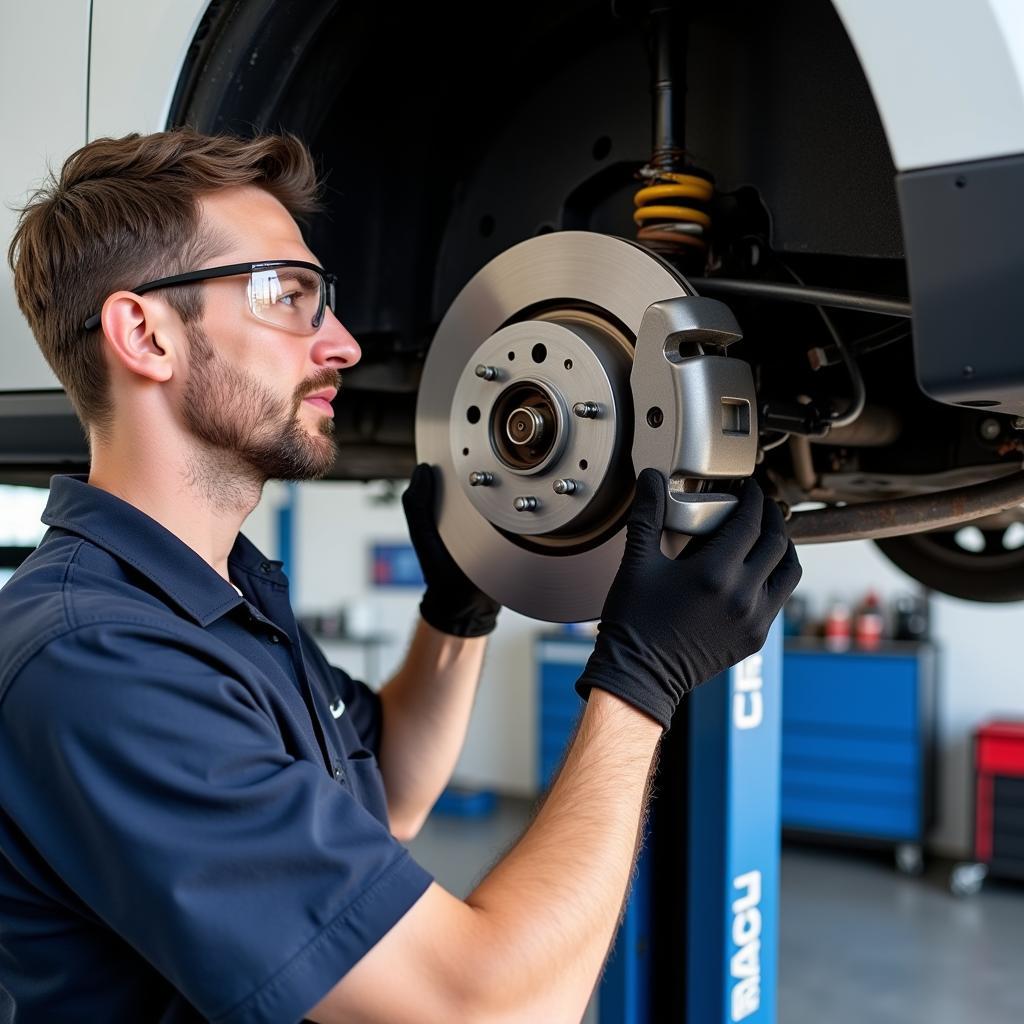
[
  {"x": 966, "y": 879},
  {"x": 909, "y": 859}
]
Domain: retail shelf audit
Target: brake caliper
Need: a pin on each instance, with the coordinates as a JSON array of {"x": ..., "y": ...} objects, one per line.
[{"x": 694, "y": 407}]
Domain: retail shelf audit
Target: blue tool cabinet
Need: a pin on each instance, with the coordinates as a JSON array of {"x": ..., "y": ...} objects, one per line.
[{"x": 858, "y": 742}]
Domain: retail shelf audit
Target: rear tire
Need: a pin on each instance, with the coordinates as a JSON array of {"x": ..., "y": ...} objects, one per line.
[{"x": 939, "y": 560}]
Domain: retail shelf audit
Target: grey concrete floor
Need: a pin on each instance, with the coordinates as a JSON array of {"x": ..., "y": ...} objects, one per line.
[
  {"x": 858, "y": 942},
  {"x": 861, "y": 942}
]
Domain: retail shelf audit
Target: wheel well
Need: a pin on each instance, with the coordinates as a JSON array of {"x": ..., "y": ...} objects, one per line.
[{"x": 438, "y": 156}]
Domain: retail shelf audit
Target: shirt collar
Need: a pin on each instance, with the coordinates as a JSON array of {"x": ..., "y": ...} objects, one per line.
[{"x": 167, "y": 561}]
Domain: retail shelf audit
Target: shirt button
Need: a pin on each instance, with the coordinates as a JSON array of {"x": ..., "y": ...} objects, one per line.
[
  {"x": 266, "y": 567},
  {"x": 339, "y": 772},
  {"x": 274, "y": 638}
]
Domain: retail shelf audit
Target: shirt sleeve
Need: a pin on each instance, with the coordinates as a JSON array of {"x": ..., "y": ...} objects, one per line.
[{"x": 155, "y": 782}]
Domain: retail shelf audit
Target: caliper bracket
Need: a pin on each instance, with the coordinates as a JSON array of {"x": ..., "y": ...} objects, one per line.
[{"x": 695, "y": 409}]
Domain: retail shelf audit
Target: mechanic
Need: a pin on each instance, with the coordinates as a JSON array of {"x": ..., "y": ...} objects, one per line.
[{"x": 200, "y": 818}]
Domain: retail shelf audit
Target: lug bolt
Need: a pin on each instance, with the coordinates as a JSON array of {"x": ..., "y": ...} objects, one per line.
[
  {"x": 526, "y": 504},
  {"x": 481, "y": 479},
  {"x": 486, "y": 372},
  {"x": 586, "y": 410},
  {"x": 565, "y": 486}
]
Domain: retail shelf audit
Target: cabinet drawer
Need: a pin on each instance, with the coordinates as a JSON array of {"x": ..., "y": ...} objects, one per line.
[
  {"x": 559, "y": 679},
  {"x": 548, "y": 768},
  {"x": 1008, "y": 793},
  {"x": 873, "y": 692},
  {"x": 846, "y": 782},
  {"x": 831, "y": 744},
  {"x": 897, "y": 819},
  {"x": 561, "y": 698},
  {"x": 1001, "y": 755},
  {"x": 553, "y": 743},
  {"x": 558, "y": 721},
  {"x": 1010, "y": 822},
  {"x": 1008, "y": 847}
]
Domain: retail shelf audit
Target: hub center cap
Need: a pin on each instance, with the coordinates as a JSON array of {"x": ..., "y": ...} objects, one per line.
[
  {"x": 523, "y": 438},
  {"x": 516, "y": 441}
]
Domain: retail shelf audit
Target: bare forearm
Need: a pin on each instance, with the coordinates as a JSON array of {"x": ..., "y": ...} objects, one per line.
[
  {"x": 426, "y": 709},
  {"x": 552, "y": 904}
]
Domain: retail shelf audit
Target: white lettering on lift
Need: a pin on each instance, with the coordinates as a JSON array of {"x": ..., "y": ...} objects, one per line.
[
  {"x": 745, "y": 965},
  {"x": 748, "y": 700}
]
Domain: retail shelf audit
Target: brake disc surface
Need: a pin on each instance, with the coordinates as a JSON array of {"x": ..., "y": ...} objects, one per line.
[{"x": 525, "y": 410}]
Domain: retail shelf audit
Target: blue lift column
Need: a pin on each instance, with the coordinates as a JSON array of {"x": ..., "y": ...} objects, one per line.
[{"x": 699, "y": 940}]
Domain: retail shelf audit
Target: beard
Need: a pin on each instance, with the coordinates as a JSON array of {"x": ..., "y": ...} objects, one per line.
[{"x": 247, "y": 426}]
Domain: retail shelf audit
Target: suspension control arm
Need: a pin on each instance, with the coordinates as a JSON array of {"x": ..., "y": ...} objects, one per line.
[{"x": 872, "y": 520}]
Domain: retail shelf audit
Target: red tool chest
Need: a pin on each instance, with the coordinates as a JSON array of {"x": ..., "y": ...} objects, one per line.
[{"x": 999, "y": 797}]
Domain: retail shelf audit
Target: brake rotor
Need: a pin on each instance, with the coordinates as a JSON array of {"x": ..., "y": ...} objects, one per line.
[{"x": 525, "y": 410}]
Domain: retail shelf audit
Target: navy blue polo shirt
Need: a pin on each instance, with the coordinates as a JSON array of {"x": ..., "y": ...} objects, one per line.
[{"x": 192, "y": 821}]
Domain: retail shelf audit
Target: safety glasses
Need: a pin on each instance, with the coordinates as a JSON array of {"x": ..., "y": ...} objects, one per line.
[{"x": 290, "y": 294}]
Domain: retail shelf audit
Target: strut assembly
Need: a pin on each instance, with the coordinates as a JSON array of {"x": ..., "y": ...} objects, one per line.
[
  {"x": 673, "y": 209},
  {"x": 673, "y": 214}
]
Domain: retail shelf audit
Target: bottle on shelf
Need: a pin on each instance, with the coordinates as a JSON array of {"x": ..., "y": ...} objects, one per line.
[
  {"x": 869, "y": 623},
  {"x": 837, "y": 627}
]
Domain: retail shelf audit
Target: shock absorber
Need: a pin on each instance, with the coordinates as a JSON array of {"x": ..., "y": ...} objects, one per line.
[{"x": 673, "y": 208}]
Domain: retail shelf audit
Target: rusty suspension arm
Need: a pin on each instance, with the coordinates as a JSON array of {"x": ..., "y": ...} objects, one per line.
[{"x": 871, "y": 520}]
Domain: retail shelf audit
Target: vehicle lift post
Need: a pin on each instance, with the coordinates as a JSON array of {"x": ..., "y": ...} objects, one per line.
[{"x": 698, "y": 942}]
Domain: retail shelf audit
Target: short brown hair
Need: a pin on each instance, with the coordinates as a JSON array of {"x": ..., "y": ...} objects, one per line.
[{"x": 123, "y": 211}]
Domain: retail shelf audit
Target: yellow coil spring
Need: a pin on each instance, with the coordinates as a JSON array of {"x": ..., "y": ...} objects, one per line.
[{"x": 662, "y": 219}]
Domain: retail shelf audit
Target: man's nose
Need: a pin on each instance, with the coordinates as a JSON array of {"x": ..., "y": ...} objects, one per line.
[{"x": 333, "y": 345}]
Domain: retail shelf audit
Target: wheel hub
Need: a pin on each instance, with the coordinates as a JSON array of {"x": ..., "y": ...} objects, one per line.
[{"x": 527, "y": 462}]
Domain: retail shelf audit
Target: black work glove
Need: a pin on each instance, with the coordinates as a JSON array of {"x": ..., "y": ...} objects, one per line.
[
  {"x": 452, "y": 603},
  {"x": 670, "y": 624}
]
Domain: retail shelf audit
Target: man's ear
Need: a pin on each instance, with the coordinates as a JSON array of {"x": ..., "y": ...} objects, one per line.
[{"x": 130, "y": 324}]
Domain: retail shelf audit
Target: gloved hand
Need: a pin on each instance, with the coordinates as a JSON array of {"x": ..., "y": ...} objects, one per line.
[
  {"x": 452, "y": 603},
  {"x": 670, "y": 624}
]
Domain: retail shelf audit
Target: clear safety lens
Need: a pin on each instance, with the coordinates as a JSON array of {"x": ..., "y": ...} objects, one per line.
[{"x": 292, "y": 298}]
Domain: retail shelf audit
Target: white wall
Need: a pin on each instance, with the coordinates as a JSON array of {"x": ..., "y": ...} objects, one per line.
[
  {"x": 980, "y": 645},
  {"x": 980, "y": 649},
  {"x": 260, "y": 527}
]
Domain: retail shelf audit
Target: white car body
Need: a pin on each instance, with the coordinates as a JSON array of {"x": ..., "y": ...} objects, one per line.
[{"x": 948, "y": 80}]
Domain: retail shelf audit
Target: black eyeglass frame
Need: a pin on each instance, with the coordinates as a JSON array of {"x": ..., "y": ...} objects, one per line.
[{"x": 326, "y": 292}]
